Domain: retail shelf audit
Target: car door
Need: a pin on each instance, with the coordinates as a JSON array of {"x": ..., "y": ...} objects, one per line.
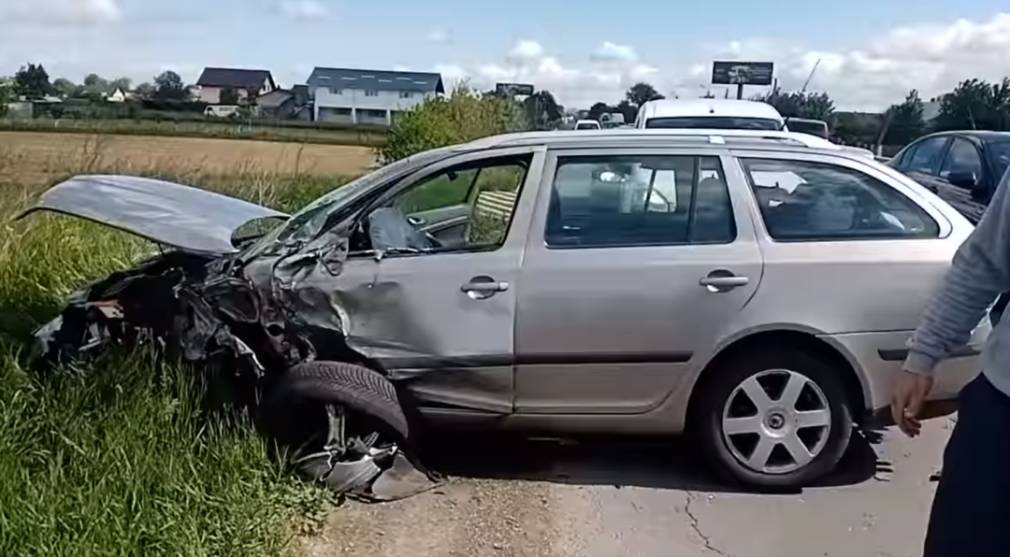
[
  {"x": 636, "y": 263},
  {"x": 442, "y": 320}
]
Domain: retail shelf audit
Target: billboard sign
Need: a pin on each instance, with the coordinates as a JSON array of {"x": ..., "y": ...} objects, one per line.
[
  {"x": 742, "y": 73},
  {"x": 513, "y": 89}
]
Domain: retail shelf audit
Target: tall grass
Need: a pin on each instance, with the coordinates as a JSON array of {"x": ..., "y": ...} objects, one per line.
[{"x": 120, "y": 458}]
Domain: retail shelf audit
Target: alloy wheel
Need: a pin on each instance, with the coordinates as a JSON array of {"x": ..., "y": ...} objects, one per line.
[{"x": 776, "y": 421}]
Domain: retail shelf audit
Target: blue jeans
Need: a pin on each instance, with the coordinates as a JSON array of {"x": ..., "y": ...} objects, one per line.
[{"x": 971, "y": 509}]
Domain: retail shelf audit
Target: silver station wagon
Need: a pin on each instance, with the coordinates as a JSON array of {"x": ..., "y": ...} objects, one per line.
[{"x": 754, "y": 288}]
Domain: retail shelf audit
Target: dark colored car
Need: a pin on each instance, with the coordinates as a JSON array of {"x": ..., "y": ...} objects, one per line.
[{"x": 962, "y": 167}]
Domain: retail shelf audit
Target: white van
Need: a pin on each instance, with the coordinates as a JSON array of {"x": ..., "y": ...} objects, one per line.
[
  {"x": 587, "y": 125},
  {"x": 712, "y": 114}
]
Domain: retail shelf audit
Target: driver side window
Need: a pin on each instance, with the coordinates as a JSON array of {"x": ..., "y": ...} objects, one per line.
[{"x": 463, "y": 207}]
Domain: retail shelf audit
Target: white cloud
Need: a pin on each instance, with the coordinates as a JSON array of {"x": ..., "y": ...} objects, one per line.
[
  {"x": 304, "y": 10},
  {"x": 452, "y": 75},
  {"x": 63, "y": 12},
  {"x": 439, "y": 36},
  {"x": 610, "y": 52},
  {"x": 525, "y": 51}
]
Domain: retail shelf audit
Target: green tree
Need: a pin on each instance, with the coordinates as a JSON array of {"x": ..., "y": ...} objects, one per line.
[
  {"x": 6, "y": 94},
  {"x": 542, "y": 111},
  {"x": 65, "y": 87},
  {"x": 169, "y": 86},
  {"x": 145, "y": 90},
  {"x": 598, "y": 110},
  {"x": 440, "y": 121},
  {"x": 906, "y": 120},
  {"x": 641, "y": 93},
  {"x": 228, "y": 96},
  {"x": 817, "y": 106},
  {"x": 977, "y": 105},
  {"x": 32, "y": 81},
  {"x": 123, "y": 83}
]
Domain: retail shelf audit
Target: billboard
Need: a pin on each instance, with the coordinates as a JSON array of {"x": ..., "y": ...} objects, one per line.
[
  {"x": 513, "y": 89},
  {"x": 742, "y": 73}
]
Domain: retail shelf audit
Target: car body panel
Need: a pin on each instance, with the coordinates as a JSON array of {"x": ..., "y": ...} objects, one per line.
[{"x": 183, "y": 217}]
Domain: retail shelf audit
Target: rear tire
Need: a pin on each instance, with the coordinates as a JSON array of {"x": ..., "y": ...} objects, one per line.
[{"x": 792, "y": 435}]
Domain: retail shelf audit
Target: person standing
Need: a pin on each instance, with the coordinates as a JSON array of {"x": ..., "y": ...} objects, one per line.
[{"x": 971, "y": 508}]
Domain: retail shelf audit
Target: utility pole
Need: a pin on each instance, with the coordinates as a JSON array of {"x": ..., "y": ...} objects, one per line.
[{"x": 739, "y": 91}]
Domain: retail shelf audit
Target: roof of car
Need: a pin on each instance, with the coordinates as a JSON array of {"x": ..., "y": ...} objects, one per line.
[
  {"x": 671, "y": 108},
  {"x": 980, "y": 134},
  {"x": 631, "y": 135}
]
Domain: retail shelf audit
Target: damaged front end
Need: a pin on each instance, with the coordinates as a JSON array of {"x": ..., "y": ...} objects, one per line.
[{"x": 203, "y": 303}]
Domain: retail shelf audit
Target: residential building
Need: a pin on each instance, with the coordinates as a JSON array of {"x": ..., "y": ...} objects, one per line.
[
  {"x": 244, "y": 82},
  {"x": 283, "y": 104},
  {"x": 354, "y": 96},
  {"x": 117, "y": 96}
]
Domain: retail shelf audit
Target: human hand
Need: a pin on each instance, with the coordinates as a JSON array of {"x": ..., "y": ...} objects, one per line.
[{"x": 908, "y": 393}]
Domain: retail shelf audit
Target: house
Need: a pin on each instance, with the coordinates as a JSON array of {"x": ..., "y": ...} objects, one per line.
[
  {"x": 368, "y": 96},
  {"x": 117, "y": 96},
  {"x": 243, "y": 82}
]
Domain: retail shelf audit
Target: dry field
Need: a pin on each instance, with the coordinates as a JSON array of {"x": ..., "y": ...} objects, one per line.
[{"x": 39, "y": 157}]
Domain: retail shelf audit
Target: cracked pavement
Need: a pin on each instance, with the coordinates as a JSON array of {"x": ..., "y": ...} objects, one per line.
[{"x": 603, "y": 498}]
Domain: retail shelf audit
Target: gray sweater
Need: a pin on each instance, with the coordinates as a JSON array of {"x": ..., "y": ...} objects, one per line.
[{"x": 979, "y": 274}]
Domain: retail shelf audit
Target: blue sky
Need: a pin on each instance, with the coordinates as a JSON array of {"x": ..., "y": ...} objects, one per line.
[{"x": 871, "y": 52}]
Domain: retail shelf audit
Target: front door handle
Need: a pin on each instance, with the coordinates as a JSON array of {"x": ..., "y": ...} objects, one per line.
[
  {"x": 483, "y": 287},
  {"x": 723, "y": 281},
  {"x": 416, "y": 221}
]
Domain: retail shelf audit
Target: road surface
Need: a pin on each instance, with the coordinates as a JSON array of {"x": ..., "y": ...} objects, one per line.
[{"x": 621, "y": 498}]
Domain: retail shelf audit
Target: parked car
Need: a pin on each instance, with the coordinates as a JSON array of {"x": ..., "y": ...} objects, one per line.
[
  {"x": 587, "y": 125},
  {"x": 709, "y": 114},
  {"x": 962, "y": 167},
  {"x": 743, "y": 286},
  {"x": 221, "y": 110}
]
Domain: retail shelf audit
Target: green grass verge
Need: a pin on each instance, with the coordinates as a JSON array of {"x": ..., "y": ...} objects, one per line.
[
  {"x": 120, "y": 458},
  {"x": 321, "y": 134}
]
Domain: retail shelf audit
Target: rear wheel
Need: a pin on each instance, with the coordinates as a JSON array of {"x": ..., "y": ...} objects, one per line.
[{"x": 774, "y": 419}]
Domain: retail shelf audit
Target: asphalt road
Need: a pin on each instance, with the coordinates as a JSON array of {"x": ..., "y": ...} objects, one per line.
[{"x": 620, "y": 498}]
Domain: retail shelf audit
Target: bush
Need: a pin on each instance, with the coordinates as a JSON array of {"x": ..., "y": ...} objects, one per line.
[{"x": 437, "y": 122}]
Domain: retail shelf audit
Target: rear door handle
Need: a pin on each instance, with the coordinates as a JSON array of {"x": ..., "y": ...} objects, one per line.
[
  {"x": 723, "y": 281},
  {"x": 483, "y": 287}
]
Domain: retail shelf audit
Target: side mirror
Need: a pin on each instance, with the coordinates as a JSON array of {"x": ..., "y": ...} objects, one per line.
[{"x": 966, "y": 180}]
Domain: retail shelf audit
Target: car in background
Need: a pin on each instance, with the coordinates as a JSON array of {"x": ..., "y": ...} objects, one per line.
[
  {"x": 587, "y": 125},
  {"x": 756, "y": 288},
  {"x": 710, "y": 114},
  {"x": 817, "y": 128},
  {"x": 962, "y": 167}
]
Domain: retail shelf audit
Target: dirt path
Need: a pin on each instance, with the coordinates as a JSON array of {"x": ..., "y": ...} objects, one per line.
[
  {"x": 53, "y": 153},
  {"x": 627, "y": 499}
]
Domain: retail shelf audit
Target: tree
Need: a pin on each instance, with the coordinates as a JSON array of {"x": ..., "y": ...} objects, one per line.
[
  {"x": 32, "y": 81},
  {"x": 228, "y": 96},
  {"x": 6, "y": 94},
  {"x": 598, "y": 110},
  {"x": 64, "y": 87},
  {"x": 120, "y": 83},
  {"x": 906, "y": 120},
  {"x": 542, "y": 111},
  {"x": 439, "y": 121},
  {"x": 641, "y": 93},
  {"x": 169, "y": 86},
  {"x": 817, "y": 106},
  {"x": 145, "y": 90},
  {"x": 976, "y": 104}
]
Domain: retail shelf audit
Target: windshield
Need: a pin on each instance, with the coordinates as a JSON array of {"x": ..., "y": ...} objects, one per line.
[
  {"x": 999, "y": 154},
  {"x": 314, "y": 218},
  {"x": 714, "y": 123},
  {"x": 817, "y": 128}
]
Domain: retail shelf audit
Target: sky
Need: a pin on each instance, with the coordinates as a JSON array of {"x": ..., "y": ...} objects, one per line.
[{"x": 871, "y": 52}]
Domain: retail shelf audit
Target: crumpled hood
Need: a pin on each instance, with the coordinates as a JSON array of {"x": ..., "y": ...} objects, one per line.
[{"x": 184, "y": 217}]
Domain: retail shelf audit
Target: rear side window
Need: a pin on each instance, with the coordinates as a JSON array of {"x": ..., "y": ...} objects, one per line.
[
  {"x": 926, "y": 155},
  {"x": 808, "y": 201},
  {"x": 639, "y": 201}
]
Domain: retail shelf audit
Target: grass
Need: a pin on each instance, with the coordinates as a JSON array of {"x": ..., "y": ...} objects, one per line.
[
  {"x": 121, "y": 458},
  {"x": 290, "y": 132}
]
